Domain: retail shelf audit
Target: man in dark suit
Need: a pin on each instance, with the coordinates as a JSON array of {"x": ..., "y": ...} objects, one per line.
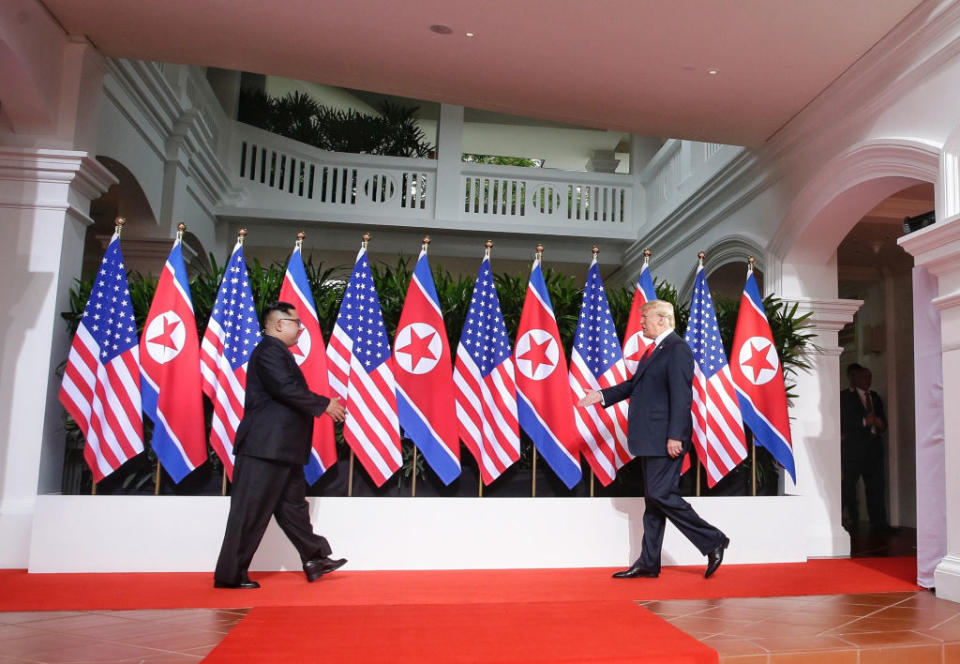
[
  {"x": 271, "y": 447},
  {"x": 862, "y": 421},
  {"x": 659, "y": 427}
]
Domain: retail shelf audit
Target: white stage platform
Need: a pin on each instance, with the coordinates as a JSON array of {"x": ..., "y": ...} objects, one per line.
[{"x": 182, "y": 534}]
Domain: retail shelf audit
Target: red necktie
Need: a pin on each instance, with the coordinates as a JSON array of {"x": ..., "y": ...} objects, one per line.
[{"x": 647, "y": 353}]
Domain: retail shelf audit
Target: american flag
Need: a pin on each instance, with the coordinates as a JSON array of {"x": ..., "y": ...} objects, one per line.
[
  {"x": 101, "y": 381},
  {"x": 717, "y": 424},
  {"x": 486, "y": 389},
  {"x": 596, "y": 363},
  {"x": 232, "y": 334},
  {"x": 634, "y": 343},
  {"x": 361, "y": 373}
]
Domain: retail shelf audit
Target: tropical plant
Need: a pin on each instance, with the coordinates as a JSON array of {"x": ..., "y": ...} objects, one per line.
[{"x": 393, "y": 132}]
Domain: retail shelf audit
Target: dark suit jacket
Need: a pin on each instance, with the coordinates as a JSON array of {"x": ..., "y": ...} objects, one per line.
[
  {"x": 852, "y": 412},
  {"x": 279, "y": 408},
  {"x": 660, "y": 394}
]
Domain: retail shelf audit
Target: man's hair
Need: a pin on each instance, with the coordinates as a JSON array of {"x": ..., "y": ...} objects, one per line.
[
  {"x": 279, "y": 308},
  {"x": 854, "y": 367},
  {"x": 661, "y": 308}
]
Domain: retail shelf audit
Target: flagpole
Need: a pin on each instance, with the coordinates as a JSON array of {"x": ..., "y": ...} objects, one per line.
[
  {"x": 223, "y": 485},
  {"x": 350, "y": 476},
  {"x": 753, "y": 443},
  {"x": 591, "y": 482},
  {"x": 479, "y": 483},
  {"x": 413, "y": 473},
  {"x": 156, "y": 480},
  {"x": 533, "y": 475}
]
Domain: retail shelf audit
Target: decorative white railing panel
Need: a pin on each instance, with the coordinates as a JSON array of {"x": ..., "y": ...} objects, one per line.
[
  {"x": 288, "y": 175},
  {"x": 279, "y": 177},
  {"x": 572, "y": 202}
]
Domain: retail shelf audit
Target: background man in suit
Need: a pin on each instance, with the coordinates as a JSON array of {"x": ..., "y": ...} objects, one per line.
[
  {"x": 272, "y": 445},
  {"x": 659, "y": 427},
  {"x": 862, "y": 421}
]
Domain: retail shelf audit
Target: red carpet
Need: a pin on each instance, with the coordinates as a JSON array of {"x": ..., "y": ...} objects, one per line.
[
  {"x": 595, "y": 632},
  {"x": 50, "y": 592}
]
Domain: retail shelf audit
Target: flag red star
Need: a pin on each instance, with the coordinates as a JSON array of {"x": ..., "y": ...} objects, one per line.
[
  {"x": 165, "y": 338},
  {"x": 758, "y": 361},
  {"x": 537, "y": 355},
  {"x": 418, "y": 348}
]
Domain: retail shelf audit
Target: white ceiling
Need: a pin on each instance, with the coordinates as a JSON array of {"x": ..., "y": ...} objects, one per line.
[{"x": 624, "y": 65}]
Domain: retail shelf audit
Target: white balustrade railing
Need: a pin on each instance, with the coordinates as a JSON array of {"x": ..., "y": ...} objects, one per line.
[
  {"x": 543, "y": 197},
  {"x": 286, "y": 176},
  {"x": 289, "y": 175}
]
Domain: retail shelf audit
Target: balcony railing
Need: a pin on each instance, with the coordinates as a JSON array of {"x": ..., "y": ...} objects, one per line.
[{"x": 282, "y": 177}]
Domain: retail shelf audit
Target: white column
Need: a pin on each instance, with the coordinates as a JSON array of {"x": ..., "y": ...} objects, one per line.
[
  {"x": 450, "y": 194},
  {"x": 937, "y": 248},
  {"x": 815, "y": 427},
  {"x": 44, "y": 203}
]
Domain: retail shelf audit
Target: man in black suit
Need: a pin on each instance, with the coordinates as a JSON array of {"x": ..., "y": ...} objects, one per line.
[
  {"x": 271, "y": 447},
  {"x": 862, "y": 421},
  {"x": 659, "y": 426}
]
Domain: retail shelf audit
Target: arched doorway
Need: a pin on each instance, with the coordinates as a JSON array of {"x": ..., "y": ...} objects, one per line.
[
  {"x": 832, "y": 203},
  {"x": 871, "y": 267}
]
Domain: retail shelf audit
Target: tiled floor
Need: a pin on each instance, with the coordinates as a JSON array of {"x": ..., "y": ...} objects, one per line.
[
  {"x": 911, "y": 627},
  {"x": 154, "y": 637}
]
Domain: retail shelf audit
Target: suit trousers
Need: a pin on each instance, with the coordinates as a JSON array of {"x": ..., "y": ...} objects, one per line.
[
  {"x": 862, "y": 456},
  {"x": 262, "y": 487},
  {"x": 661, "y": 477}
]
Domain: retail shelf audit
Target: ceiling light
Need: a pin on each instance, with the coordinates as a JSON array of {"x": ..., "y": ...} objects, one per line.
[
  {"x": 712, "y": 72},
  {"x": 470, "y": 34},
  {"x": 441, "y": 29}
]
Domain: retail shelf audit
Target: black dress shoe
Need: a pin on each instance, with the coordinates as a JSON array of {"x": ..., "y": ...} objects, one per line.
[
  {"x": 246, "y": 585},
  {"x": 637, "y": 570},
  {"x": 715, "y": 557},
  {"x": 317, "y": 567}
]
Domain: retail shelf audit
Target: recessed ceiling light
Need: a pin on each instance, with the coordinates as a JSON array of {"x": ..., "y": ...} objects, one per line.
[
  {"x": 712, "y": 72},
  {"x": 470, "y": 34},
  {"x": 441, "y": 29}
]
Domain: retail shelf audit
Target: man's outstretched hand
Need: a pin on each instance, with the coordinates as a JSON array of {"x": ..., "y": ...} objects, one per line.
[
  {"x": 336, "y": 410},
  {"x": 589, "y": 399}
]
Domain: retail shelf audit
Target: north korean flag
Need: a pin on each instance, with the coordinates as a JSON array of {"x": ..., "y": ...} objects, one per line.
[
  {"x": 170, "y": 372},
  {"x": 634, "y": 343},
  {"x": 758, "y": 378},
  {"x": 311, "y": 354},
  {"x": 544, "y": 400},
  {"x": 425, "y": 390}
]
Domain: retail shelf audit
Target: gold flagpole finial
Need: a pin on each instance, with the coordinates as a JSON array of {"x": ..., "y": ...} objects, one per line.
[
  {"x": 596, "y": 250},
  {"x": 366, "y": 240},
  {"x": 241, "y": 235},
  {"x": 646, "y": 256},
  {"x": 701, "y": 256},
  {"x": 300, "y": 237},
  {"x": 426, "y": 243},
  {"x": 750, "y": 261},
  {"x": 488, "y": 246},
  {"x": 181, "y": 228},
  {"x": 120, "y": 222},
  {"x": 539, "y": 252}
]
